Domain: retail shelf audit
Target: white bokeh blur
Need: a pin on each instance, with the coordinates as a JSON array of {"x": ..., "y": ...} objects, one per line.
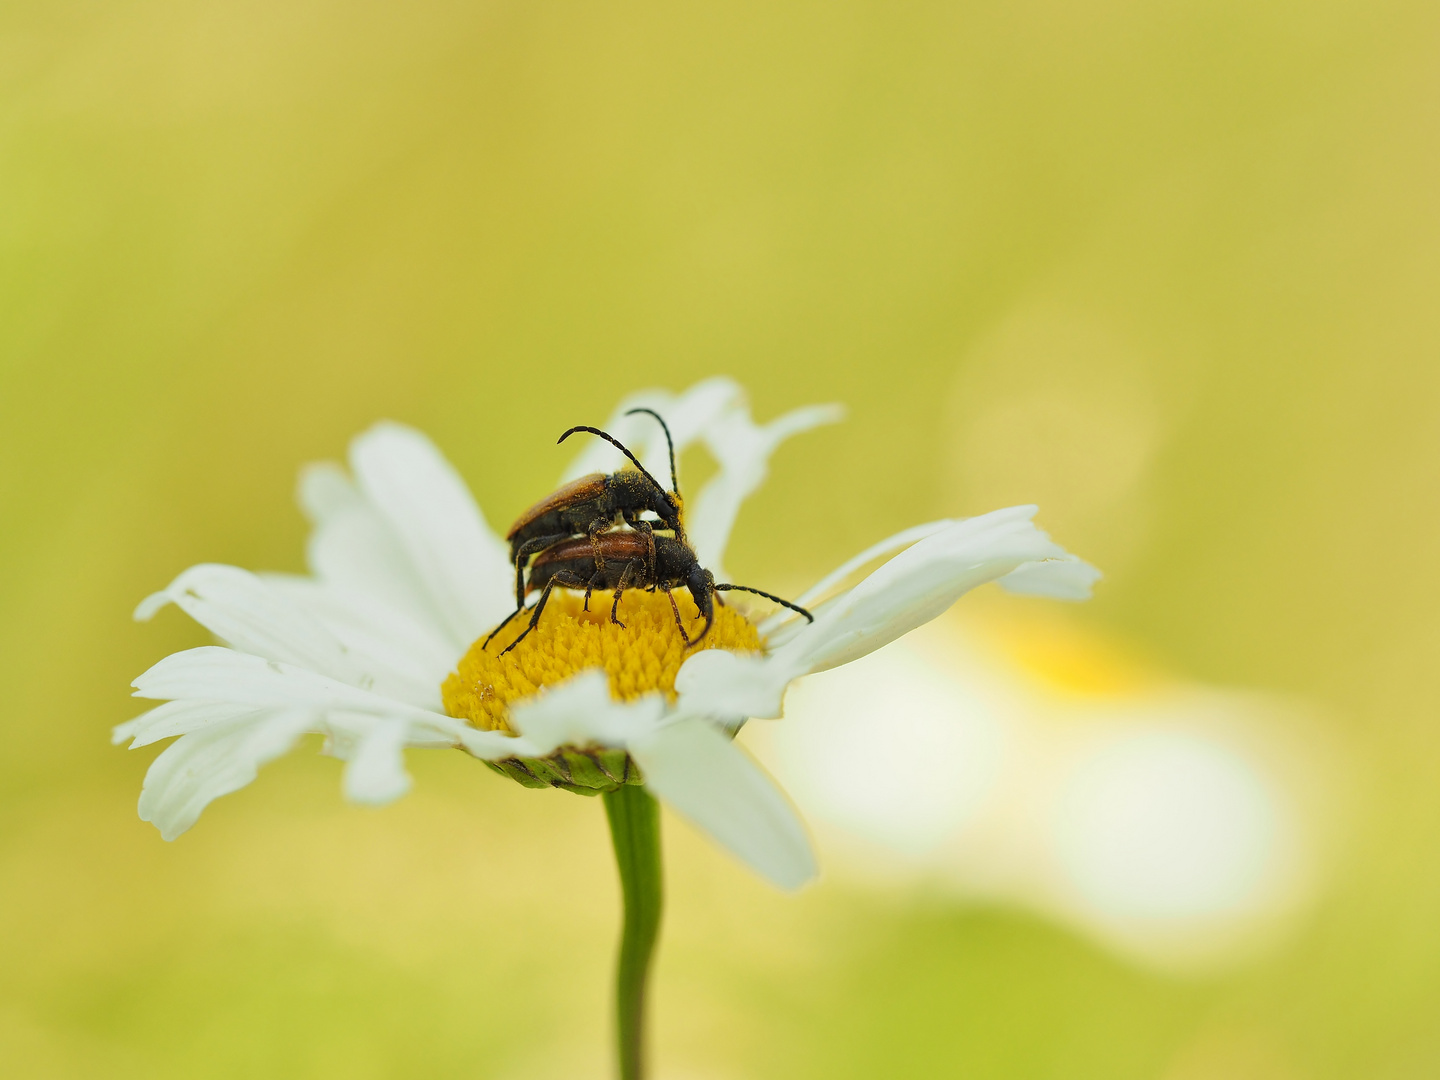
[{"x": 1169, "y": 821}]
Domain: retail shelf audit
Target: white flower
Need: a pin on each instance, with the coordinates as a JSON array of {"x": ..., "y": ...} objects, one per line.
[
  {"x": 406, "y": 576},
  {"x": 1033, "y": 762}
]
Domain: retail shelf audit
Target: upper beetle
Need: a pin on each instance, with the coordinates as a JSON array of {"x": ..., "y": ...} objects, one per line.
[{"x": 592, "y": 504}]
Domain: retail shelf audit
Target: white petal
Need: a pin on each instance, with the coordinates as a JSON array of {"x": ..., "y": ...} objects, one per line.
[
  {"x": 325, "y": 492},
  {"x": 906, "y": 592},
  {"x": 491, "y": 745},
  {"x": 375, "y": 773},
  {"x": 402, "y": 657},
  {"x": 242, "y": 610},
  {"x": 211, "y": 673},
  {"x": 712, "y": 782},
  {"x": 353, "y": 550},
  {"x": 891, "y": 543},
  {"x": 1070, "y": 578},
  {"x": 917, "y": 585},
  {"x": 223, "y": 693},
  {"x": 152, "y": 605},
  {"x": 200, "y": 767},
  {"x": 686, "y": 415},
  {"x": 728, "y": 686},
  {"x": 581, "y": 712},
  {"x": 463, "y": 566},
  {"x": 179, "y": 718},
  {"x": 742, "y": 448}
]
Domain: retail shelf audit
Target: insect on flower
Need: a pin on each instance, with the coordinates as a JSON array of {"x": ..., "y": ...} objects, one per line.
[
  {"x": 379, "y": 649},
  {"x": 591, "y": 504},
  {"x": 382, "y": 647},
  {"x": 632, "y": 560}
]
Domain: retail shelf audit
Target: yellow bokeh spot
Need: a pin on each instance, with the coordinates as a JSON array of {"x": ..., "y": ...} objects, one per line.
[
  {"x": 1068, "y": 657},
  {"x": 642, "y": 656}
]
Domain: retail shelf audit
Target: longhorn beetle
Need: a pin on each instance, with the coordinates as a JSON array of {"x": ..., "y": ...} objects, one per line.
[
  {"x": 628, "y": 564},
  {"x": 593, "y": 503}
]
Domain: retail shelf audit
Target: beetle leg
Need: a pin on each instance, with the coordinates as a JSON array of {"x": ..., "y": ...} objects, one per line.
[
  {"x": 502, "y": 625},
  {"x": 530, "y": 547},
  {"x": 598, "y": 526},
  {"x": 620, "y": 588},
  {"x": 597, "y": 581},
  {"x": 678, "y": 621},
  {"x": 535, "y": 616},
  {"x": 644, "y": 527},
  {"x": 564, "y": 577}
]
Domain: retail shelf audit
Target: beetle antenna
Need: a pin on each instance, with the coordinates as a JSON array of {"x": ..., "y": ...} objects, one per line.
[
  {"x": 674, "y": 476},
  {"x": 618, "y": 446},
  {"x": 768, "y": 596}
]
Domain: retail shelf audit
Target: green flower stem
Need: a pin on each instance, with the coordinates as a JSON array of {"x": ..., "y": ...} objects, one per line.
[{"x": 635, "y": 829}]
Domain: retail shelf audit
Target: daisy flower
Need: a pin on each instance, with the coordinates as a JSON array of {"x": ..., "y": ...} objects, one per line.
[
  {"x": 382, "y": 648},
  {"x": 378, "y": 648},
  {"x": 1034, "y": 762}
]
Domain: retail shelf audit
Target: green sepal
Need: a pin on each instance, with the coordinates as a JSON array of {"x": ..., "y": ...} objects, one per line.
[
  {"x": 546, "y": 769},
  {"x": 584, "y": 772},
  {"x": 512, "y": 768},
  {"x": 589, "y": 793},
  {"x": 616, "y": 764}
]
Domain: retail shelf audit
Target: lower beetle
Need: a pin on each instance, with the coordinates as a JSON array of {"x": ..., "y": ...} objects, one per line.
[{"x": 628, "y": 564}]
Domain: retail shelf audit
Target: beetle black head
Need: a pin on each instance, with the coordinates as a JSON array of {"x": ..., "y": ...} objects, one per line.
[
  {"x": 666, "y": 505},
  {"x": 702, "y": 590}
]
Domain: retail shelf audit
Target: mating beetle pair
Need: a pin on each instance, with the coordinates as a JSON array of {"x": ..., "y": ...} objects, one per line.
[
  {"x": 593, "y": 504},
  {"x": 577, "y": 539}
]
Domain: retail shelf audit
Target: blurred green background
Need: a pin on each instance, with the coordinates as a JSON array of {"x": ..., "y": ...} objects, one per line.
[{"x": 1169, "y": 270}]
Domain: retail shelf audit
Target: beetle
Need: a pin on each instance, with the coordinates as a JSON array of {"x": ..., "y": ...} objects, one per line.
[
  {"x": 628, "y": 565},
  {"x": 594, "y": 503}
]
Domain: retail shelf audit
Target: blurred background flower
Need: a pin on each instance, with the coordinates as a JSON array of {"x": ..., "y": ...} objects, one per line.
[
  {"x": 1167, "y": 271},
  {"x": 1034, "y": 763}
]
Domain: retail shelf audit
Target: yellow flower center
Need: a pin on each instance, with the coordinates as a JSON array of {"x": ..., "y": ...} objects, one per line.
[{"x": 642, "y": 656}]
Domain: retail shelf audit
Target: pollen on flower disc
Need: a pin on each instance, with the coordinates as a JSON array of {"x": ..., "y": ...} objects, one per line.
[{"x": 641, "y": 657}]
